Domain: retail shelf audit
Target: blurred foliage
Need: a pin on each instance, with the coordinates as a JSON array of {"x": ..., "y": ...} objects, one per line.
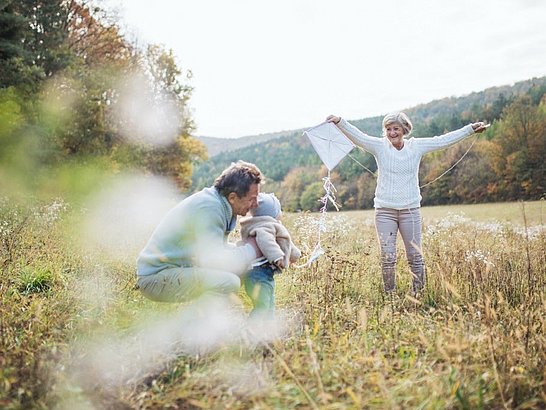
[
  {"x": 504, "y": 164},
  {"x": 63, "y": 68}
]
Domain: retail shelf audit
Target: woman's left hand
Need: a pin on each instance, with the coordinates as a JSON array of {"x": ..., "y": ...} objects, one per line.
[{"x": 479, "y": 126}]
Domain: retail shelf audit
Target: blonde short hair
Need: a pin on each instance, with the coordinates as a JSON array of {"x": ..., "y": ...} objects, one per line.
[{"x": 398, "y": 118}]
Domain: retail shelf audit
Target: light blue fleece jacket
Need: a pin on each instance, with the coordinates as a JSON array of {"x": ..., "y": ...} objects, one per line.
[
  {"x": 194, "y": 233},
  {"x": 398, "y": 170}
]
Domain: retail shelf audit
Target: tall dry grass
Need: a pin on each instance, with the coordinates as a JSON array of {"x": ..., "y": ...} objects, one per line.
[{"x": 474, "y": 339}]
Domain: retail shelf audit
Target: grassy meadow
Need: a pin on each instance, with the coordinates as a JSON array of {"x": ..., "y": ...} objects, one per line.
[{"x": 75, "y": 334}]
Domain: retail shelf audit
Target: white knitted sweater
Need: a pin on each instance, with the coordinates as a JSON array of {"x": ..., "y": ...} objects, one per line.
[{"x": 398, "y": 170}]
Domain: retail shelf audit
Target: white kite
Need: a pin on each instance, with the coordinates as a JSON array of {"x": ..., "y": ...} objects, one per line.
[
  {"x": 331, "y": 146},
  {"x": 330, "y": 143}
]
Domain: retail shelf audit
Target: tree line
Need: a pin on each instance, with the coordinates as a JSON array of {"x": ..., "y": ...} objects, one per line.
[
  {"x": 506, "y": 163},
  {"x": 74, "y": 89}
]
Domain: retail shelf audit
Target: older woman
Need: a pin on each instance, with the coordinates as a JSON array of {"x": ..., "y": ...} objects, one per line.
[{"x": 397, "y": 195}]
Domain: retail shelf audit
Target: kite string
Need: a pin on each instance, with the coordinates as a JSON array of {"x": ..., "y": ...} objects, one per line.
[
  {"x": 453, "y": 166},
  {"x": 362, "y": 165}
]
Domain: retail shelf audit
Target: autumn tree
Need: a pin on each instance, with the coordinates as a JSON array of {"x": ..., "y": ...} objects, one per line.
[
  {"x": 170, "y": 88},
  {"x": 471, "y": 172},
  {"x": 310, "y": 197},
  {"x": 77, "y": 99},
  {"x": 294, "y": 184},
  {"x": 71, "y": 61},
  {"x": 365, "y": 186},
  {"x": 101, "y": 87},
  {"x": 94, "y": 38},
  {"x": 522, "y": 140}
]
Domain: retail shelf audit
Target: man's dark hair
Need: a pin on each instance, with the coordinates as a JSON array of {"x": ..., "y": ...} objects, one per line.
[{"x": 238, "y": 178}]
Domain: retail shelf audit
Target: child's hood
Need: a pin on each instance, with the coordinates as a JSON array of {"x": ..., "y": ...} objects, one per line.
[{"x": 249, "y": 226}]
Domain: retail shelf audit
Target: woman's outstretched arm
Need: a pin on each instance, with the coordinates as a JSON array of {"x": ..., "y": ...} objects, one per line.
[
  {"x": 358, "y": 137},
  {"x": 450, "y": 138}
]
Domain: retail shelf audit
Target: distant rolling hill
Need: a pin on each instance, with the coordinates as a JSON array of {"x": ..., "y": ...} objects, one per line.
[
  {"x": 216, "y": 146},
  {"x": 278, "y": 153}
]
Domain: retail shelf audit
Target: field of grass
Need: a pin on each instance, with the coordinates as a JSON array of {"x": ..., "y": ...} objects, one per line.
[
  {"x": 518, "y": 213},
  {"x": 75, "y": 334}
]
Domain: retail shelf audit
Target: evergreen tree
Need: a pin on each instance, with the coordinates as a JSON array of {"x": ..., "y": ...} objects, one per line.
[
  {"x": 46, "y": 40},
  {"x": 15, "y": 62},
  {"x": 12, "y": 32}
]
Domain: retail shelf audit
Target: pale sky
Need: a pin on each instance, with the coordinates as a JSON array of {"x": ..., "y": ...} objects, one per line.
[{"x": 265, "y": 66}]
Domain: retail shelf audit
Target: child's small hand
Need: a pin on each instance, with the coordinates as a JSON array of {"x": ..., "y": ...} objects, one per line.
[{"x": 279, "y": 263}]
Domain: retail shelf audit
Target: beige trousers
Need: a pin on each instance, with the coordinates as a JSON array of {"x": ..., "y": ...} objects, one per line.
[{"x": 388, "y": 223}]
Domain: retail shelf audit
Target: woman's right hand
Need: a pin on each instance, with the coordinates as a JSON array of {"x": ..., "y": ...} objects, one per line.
[
  {"x": 479, "y": 126},
  {"x": 333, "y": 119}
]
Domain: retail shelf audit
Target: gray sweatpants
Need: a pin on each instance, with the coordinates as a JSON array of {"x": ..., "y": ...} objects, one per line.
[
  {"x": 184, "y": 284},
  {"x": 408, "y": 221}
]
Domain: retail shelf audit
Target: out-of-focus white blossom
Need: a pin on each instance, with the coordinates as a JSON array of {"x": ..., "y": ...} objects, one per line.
[
  {"x": 307, "y": 225},
  {"x": 454, "y": 222}
]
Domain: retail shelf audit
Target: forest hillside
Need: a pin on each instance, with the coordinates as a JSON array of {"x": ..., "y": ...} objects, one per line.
[{"x": 503, "y": 164}]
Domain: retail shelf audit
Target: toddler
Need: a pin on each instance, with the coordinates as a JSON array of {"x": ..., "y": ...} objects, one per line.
[{"x": 277, "y": 248}]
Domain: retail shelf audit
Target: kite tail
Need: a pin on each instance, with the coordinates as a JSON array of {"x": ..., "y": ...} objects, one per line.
[{"x": 329, "y": 196}]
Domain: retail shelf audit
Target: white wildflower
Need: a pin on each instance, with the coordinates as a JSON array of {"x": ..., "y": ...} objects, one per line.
[{"x": 478, "y": 255}]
